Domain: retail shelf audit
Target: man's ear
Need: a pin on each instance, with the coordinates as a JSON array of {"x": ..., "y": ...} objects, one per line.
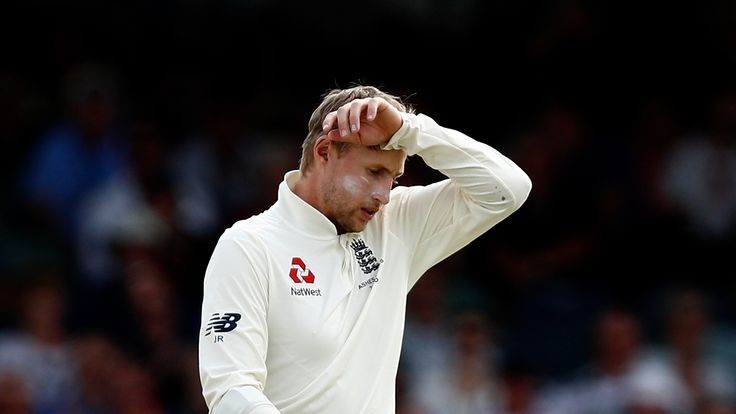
[{"x": 322, "y": 149}]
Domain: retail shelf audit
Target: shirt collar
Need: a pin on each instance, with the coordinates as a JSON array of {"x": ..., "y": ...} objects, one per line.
[{"x": 300, "y": 214}]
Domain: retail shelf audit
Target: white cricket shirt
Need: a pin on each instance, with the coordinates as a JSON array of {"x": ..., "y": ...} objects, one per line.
[{"x": 299, "y": 319}]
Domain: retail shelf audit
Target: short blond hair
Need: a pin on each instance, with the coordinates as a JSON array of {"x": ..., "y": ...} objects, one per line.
[{"x": 331, "y": 101}]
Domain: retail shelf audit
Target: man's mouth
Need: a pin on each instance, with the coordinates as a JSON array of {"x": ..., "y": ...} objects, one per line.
[{"x": 368, "y": 213}]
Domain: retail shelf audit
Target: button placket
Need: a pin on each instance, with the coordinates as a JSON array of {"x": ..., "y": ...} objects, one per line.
[{"x": 348, "y": 269}]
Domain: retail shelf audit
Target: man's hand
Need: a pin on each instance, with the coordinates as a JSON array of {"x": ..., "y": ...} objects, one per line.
[{"x": 367, "y": 121}]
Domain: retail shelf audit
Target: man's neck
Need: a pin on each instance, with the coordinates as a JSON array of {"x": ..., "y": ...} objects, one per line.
[{"x": 305, "y": 188}]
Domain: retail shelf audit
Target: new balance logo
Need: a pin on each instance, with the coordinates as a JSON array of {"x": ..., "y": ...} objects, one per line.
[
  {"x": 225, "y": 323},
  {"x": 299, "y": 271}
]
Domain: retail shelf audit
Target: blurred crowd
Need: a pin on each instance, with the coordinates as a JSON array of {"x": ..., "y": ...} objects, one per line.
[{"x": 127, "y": 151}]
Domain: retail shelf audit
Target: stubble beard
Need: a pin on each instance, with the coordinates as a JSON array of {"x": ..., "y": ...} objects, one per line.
[{"x": 343, "y": 213}]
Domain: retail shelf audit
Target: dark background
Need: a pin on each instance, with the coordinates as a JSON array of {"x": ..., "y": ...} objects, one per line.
[{"x": 598, "y": 101}]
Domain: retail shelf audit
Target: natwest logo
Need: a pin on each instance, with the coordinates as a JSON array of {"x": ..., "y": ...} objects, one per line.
[{"x": 299, "y": 271}]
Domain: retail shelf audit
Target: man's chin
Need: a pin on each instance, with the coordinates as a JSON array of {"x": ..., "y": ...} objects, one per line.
[{"x": 357, "y": 226}]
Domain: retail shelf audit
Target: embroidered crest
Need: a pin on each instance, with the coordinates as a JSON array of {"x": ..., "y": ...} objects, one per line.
[{"x": 365, "y": 257}]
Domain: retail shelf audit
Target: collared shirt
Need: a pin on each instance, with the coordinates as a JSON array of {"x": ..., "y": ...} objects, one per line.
[{"x": 299, "y": 319}]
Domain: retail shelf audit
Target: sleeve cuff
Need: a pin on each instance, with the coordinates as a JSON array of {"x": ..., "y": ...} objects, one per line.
[
  {"x": 245, "y": 400},
  {"x": 401, "y": 140}
]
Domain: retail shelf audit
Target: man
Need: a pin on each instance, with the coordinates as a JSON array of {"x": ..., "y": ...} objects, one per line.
[{"x": 304, "y": 304}]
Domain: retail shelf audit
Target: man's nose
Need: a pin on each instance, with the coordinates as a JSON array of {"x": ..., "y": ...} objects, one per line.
[{"x": 382, "y": 193}]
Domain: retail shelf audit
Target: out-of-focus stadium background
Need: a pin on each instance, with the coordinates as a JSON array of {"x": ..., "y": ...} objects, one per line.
[{"x": 133, "y": 132}]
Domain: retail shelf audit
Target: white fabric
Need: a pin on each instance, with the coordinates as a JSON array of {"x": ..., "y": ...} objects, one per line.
[
  {"x": 245, "y": 400},
  {"x": 332, "y": 346}
]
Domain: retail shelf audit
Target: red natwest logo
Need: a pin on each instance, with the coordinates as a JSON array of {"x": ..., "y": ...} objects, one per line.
[{"x": 300, "y": 272}]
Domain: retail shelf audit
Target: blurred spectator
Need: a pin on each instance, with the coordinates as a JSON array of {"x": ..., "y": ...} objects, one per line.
[
  {"x": 603, "y": 385},
  {"x": 684, "y": 375},
  {"x": 153, "y": 326},
  {"x": 134, "y": 391},
  {"x": 214, "y": 170},
  {"x": 426, "y": 343},
  {"x": 699, "y": 181},
  {"x": 564, "y": 205},
  {"x": 134, "y": 205},
  {"x": 78, "y": 153},
  {"x": 700, "y": 174},
  {"x": 467, "y": 382},
  {"x": 543, "y": 263},
  {"x": 39, "y": 353},
  {"x": 224, "y": 172},
  {"x": 99, "y": 360}
]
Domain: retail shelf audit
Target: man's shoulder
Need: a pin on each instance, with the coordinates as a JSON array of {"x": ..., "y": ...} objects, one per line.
[{"x": 253, "y": 226}]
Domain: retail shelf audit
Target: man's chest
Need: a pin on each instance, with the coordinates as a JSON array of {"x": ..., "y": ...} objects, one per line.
[{"x": 319, "y": 291}]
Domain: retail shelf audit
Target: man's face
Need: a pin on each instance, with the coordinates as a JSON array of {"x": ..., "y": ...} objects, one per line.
[{"x": 358, "y": 183}]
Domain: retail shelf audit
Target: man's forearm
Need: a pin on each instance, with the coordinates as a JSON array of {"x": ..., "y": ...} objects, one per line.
[{"x": 485, "y": 175}]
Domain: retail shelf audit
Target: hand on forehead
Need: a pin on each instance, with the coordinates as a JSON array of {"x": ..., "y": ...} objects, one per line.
[{"x": 366, "y": 121}]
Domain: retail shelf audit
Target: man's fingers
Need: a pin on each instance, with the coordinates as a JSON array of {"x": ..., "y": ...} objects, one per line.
[
  {"x": 356, "y": 108},
  {"x": 372, "y": 110},
  {"x": 346, "y": 119},
  {"x": 343, "y": 123},
  {"x": 329, "y": 121}
]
